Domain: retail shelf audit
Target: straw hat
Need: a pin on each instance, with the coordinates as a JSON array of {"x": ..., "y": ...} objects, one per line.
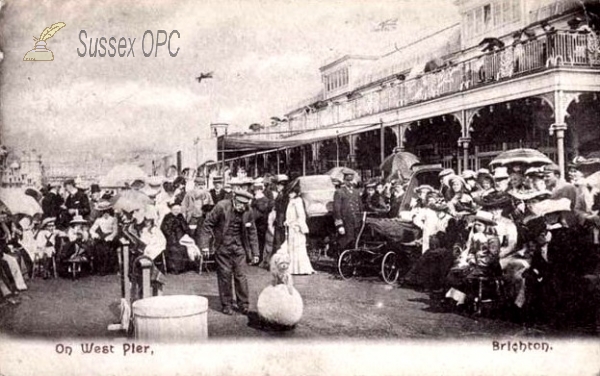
[
  {"x": 424, "y": 187},
  {"x": 78, "y": 220},
  {"x": 530, "y": 194},
  {"x": 501, "y": 173},
  {"x": 103, "y": 206},
  {"x": 484, "y": 217},
  {"x": 47, "y": 221}
]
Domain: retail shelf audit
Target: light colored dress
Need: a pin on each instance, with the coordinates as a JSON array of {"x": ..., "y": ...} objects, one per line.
[{"x": 296, "y": 241}]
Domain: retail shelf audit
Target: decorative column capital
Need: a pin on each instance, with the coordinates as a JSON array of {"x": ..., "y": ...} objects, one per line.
[
  {"x": 558, "y": 128},
  {"x": 464, "y": 142}
]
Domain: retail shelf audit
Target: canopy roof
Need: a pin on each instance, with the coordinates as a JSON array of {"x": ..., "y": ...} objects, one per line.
[{"x": 251, "y": 142}]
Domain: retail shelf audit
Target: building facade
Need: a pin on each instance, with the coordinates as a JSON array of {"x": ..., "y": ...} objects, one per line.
[{"x": 512, "y": 73}]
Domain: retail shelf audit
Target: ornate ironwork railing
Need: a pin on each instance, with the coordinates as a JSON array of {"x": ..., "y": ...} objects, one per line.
[{"x": 555, "y": 49}]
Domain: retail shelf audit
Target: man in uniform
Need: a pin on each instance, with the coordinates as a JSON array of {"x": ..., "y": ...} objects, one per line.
[
  {"x": 347, "y": 209},
  {"x": 236, "y": 243}
]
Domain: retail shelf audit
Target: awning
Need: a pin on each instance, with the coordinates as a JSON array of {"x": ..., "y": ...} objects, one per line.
[{"x": 254, "y": 143}]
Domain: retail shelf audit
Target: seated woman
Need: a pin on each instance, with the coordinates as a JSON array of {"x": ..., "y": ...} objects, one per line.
[
  {"x": 152, "y": 237},
  {"x": 175, "y": 227},
  {"x": 11, "y": 279},
  {"x": 76, "y": 250},
  {"x": 461, "y": 203},
  {"x": 431, "y": 218},
  {"x": 479, "y": 259},
  {"x": 103, "y": 233},
  {"x": 46, "y": 241},
  {"x": 373, "y": 200}
]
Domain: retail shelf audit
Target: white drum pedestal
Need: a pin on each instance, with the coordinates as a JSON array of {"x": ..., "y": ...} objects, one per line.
[{"x": 171, "y": 318}]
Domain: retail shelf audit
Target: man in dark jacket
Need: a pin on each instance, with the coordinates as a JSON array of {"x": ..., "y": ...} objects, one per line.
[
  {"x": 231, "y": 225},
  {"x": 347, "y": 209},
  {"x": 52, "y": 202},
  {"x": 77, "y": 202},
  {"x": 217, "y": 193}
]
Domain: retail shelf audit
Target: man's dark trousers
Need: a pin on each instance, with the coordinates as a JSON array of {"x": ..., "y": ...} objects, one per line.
[{"x": 231, "y": 262}]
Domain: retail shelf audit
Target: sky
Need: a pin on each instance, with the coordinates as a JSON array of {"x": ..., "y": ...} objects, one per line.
[{"x": 264, "y": 54}]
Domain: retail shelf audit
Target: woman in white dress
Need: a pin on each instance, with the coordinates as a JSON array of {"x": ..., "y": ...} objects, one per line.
[{"x": 297, "y": 230}]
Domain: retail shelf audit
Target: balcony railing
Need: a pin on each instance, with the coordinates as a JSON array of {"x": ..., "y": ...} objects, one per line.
[{"x": 556, "y": 49}]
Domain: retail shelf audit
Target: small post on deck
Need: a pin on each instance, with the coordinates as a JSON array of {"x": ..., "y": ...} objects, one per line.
[
  {"x": 303, "y": 160},
  {"x": 382, "y": 144}
]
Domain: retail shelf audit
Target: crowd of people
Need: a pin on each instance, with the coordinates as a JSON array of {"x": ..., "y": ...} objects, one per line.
[
  {"x": 521, "y": 225},
  {"x": 523, "y": 232},
  {"x": 79, "y": 228}
]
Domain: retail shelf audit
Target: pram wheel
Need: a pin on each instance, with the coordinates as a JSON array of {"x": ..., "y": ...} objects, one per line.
[
  {"x": 348, "y": 264},
  {"x": 389, "y": 268}
]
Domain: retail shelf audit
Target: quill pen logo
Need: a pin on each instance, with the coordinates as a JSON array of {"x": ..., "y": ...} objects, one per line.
[{"x": 40, "y": 52}]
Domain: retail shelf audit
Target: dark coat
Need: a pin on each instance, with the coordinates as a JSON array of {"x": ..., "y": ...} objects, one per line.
[
  {"x": 80, "y": 201},
  {"x": 217, "y": 222},
  {"x": 347, "y": 209},
  {"x": 174, "y": 228},
  {"x": 216, "y": 197},
  {"x": 51, "y": 204}
]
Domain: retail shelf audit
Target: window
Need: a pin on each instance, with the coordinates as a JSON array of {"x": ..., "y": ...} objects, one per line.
[
  {"x": 491, "y": 16},
  {"x": 336, "y": 79},
  {"x": 487, "y": 16}
]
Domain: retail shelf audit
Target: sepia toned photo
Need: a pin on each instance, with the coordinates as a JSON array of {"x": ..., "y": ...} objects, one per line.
[{"x": 268, "y": 187}]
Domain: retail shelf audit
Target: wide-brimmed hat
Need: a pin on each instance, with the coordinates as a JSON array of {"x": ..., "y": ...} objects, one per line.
[
  {"x": 103, "y": 205},
  {"x": 551, "y": 168},
  {"x": 500, "y": 173},
  {"x": 155, "y": 181},
  {"x": 172, "y": 203},
  {"x": 47, "y": 221},
  {"x": 495, "y": 199},
  {"x": 529, "y": 195},
  {"x": 484, "y": 217},
  {"x": 484, "y": 173},
  {"x": 424, "y": 187},
  {"x": 78, "y": 220},
  {"x": 550, "y": 206},
  {"x": 372, "y": 183},
  {"x": 537, "y": 172},
  {"x": 139, "y": 182},
  {"x": 587, "y": 166},
  {"x": 446, "y": 172},
  {"x": 243, "y": 197},
  {"x": 469, "y": 174},
  {"x": 281, "y": 179}
]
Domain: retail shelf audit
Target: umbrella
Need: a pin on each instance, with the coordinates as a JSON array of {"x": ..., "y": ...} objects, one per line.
[
  {"x": 17, "y": 202},
  {"x": 525, "y": 156},
  {"x": 121, "y": 175},
  {"x": 400, "y": 164},
  {"x": 338, "y": 173},
  {"x": 130, "y": 201}
]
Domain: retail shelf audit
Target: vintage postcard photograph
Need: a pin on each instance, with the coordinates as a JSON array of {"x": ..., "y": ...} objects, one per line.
[{"x": 279, "y": 187}]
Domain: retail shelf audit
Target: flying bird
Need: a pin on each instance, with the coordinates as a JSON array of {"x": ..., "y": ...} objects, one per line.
[{"x": 204, "y": 75}]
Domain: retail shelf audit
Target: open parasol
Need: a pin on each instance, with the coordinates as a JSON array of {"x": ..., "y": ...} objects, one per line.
[
  {"x": 524, "y": 156},
  {"x": 399, "y": 164},
  {"x": 17, "y": 202},
  {"x": 130, "y": 201},
  {"x": 121, "y": 175},
  {"x": 338, "y": 173}
]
